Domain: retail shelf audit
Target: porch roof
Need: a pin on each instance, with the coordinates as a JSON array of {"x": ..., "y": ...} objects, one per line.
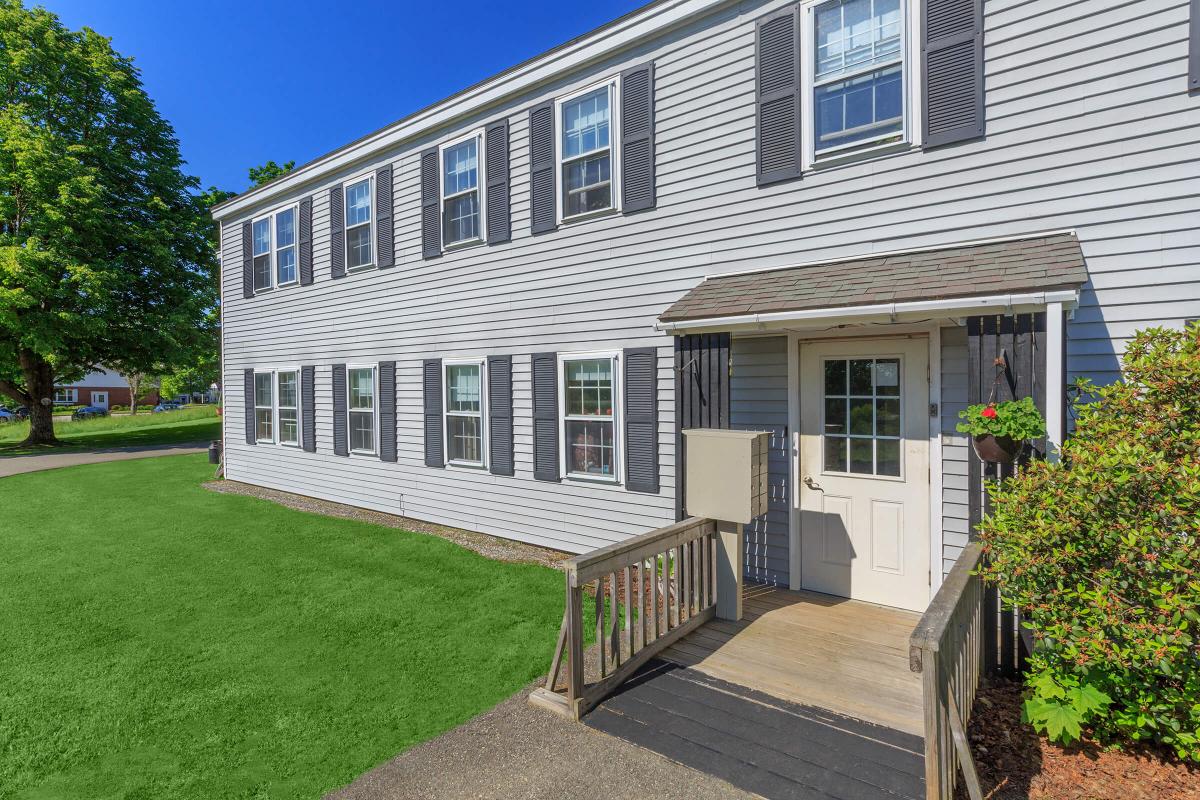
[{"x": 1032, "y": 264}]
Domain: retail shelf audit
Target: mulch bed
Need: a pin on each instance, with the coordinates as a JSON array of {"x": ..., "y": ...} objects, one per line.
[{"x": 1014, "y": 762}]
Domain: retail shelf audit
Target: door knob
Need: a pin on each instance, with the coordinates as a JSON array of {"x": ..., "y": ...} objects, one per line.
[{"x": 810, "y": 483}]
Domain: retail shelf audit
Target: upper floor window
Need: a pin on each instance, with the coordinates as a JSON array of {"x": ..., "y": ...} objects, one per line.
[
  {"x": 360, "y": 385},
  {"x": 461, "y": 218},
  {"x": 857, "y": 69},
  {"x": 464, "y": 413},
  {"x": 586, "y": 154},
  {"x": 274, "y": 249},
  {"x": 589, "y": 416},
  {"x": 358, "y": 224}
]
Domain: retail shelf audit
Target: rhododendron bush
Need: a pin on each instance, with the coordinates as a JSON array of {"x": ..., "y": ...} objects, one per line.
[{"x": 1100, "y": 551}]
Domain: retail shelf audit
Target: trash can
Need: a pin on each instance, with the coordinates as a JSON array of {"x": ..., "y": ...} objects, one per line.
[{"x": 214, "y": 452}]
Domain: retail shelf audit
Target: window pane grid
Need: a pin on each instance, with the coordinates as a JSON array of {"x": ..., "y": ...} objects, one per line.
[
  {"x": 358, "y": 224},
  {"x": 361, "y": 417},
  {"x": 589, "y": 424},
  {"x": 289, "y": 429},
  {"x": 264, "y": 407},
  {"x": 285, "y": 245},
  {"x": 861, "y": 416},
  {"x": 587, "y": 154}
]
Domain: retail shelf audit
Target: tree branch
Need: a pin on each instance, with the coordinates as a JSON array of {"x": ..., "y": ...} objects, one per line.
[{"x": 10, "y": 389}]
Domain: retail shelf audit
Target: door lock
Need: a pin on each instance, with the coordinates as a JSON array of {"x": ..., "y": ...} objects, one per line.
[{"x": 810, "y": 483}]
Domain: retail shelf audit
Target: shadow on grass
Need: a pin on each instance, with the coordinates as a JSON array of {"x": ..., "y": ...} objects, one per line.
[{"x": 185, "y": 432}]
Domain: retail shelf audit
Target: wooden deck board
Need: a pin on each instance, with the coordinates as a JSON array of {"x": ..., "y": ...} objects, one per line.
[{"x": 814, "y": 650}]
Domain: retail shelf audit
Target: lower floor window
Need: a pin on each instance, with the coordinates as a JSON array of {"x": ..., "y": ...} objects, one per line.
[
  {"x": 464, "y": 413},
  {"x": 289, "y": 416},
  {"x": 589, "y": 420},
  {"x": 66, "y": 395},
  {"x": 264, "y": 407},
  {"x": 361, "y": 387}
]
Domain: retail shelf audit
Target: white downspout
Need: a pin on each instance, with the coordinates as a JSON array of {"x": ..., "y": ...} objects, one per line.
[{"x": 1055, "y": 379}]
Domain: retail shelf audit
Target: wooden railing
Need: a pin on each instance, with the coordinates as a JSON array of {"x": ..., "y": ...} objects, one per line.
[
  {"x": 649, "y": 591},
  {"x": 947, "y": 648}
]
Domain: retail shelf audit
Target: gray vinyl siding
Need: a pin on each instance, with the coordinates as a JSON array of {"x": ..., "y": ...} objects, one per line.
[
  {"x": 758, "y": 392},
  {"x": 956, "y": 448},
  {"x": 1089, "y": 127}
]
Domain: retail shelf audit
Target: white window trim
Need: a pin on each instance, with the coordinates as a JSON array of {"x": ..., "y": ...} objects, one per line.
[
  {"x": 910, "y": 55},
  {"x": 72, "y": 395},
  {"x": 480, "y": 187},
  {"x": 617, "y": 416},
  {"x": 278, "y": 428},
  {"x": 374, "y": 452},
  {"x": 273, "y": 249},
  {"x": 482, "y": 463},
  {"x": 614, "y": 147},
  {"x": 273, "y": 407},
  {"x": 369, "y": 177},
  {"x": 901, "y": 438}
]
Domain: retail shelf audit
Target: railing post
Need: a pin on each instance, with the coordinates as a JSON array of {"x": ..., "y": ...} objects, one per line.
[
  {"x": 731, "y": 554},
  {"x": 574, "y": 643}
]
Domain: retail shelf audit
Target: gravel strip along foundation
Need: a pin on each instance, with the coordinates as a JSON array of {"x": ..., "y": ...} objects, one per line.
[{"x": 488, "y": 546}]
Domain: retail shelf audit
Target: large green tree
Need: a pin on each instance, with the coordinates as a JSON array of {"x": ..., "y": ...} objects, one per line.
[{"x": 104, "y": 252}]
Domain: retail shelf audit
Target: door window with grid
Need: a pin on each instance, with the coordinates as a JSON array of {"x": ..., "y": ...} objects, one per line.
[
  {"x": 861, "y": 416},
  {"x": 589, "y": 422}
]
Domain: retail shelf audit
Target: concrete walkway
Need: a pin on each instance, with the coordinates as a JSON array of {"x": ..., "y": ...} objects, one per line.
[
  {"x": 16, "y": 465},
  {"x": 518, "y": 752}
]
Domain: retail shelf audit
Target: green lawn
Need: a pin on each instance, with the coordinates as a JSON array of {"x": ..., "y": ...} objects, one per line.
[
  {"x": 173, "y": 427},
  {"x": 164, "y": 641}
]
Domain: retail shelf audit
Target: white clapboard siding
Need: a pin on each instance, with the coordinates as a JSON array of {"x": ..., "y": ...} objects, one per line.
[{"x": 1089, "y": 127}]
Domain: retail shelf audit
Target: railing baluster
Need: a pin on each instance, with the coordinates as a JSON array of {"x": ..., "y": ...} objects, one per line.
[
  {"x": 685, "y": 564},
  {"x": 600, "y": 626},
  {"x": 614, "y": 622},
  {"x": 628, "y": 611}
]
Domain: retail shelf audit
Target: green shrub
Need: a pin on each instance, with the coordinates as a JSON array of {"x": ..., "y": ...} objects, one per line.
[
  {"x": 1100, "y": 551},
  {"x": 1016, "y": 419}
]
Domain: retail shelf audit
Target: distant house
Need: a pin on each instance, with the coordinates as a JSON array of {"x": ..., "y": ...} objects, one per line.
[{"x": 103, "y": 388}]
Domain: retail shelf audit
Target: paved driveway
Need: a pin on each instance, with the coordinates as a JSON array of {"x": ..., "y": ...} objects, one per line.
[{"x": 16, "y": 465}]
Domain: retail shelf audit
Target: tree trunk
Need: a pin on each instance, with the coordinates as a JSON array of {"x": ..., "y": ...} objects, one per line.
[
  {"x": 135, "y": 383},
  {"x": 39, "y": 384}
]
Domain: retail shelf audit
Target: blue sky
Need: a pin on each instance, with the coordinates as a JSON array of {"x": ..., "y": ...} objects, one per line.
[{"x": 244, "y": 82}]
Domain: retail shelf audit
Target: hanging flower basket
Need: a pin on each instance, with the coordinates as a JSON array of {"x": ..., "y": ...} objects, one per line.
[{"x": 999, "y": 431}]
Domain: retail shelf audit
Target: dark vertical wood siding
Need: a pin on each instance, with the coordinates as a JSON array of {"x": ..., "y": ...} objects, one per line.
[
  {"x": 701, "y": 394},
  {"x": 1006, "y": 360}
]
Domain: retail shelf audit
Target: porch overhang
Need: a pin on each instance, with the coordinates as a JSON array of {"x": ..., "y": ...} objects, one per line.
[{"x": 997, "y": 276}]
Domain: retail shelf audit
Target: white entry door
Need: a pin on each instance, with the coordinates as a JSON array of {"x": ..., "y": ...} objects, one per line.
[
  {"x": 100, "y": 399},
  {"x": 864, "y": 480}
]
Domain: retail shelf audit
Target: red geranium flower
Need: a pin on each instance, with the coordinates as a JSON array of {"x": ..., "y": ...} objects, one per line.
[{"x": 988, "y": 412}]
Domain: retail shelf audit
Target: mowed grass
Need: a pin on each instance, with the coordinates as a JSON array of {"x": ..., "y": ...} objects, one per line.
[
  {"x": 164, "y": 641},
  {"x": 172, "y": 427}
]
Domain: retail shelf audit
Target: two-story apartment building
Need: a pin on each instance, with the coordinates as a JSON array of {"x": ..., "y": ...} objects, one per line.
[{"x": 823, "y": 218}]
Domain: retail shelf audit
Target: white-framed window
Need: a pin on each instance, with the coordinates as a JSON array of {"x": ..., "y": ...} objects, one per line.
[
  {"x": 465, "y": 410},
  {"x": 360, "y": 214},
  {"x": 360, "y": 408},
  {"x": 264, "y": 407},
  {"x": 861, "y": 417},
  {"x": 287, "y": 382},
  {"x": 66, "y": 395},
  {"x": 273, "y": 249},
  {"x": 856, "y": 75},
  {"x": 588, "y": 126},
  {"x": 591, "y": 430},
  {"x": 462, "y": 186}
]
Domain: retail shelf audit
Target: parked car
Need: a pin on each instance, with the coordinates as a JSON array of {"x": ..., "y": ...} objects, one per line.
[
  {"x": 88, "y": 412},
  {"x": 7, "y": 416},
  {"x": 161, "y": 407},
  {"x": 22, "y": 412}
]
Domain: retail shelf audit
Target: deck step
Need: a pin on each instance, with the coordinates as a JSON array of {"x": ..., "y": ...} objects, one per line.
[{"x": 759, "y": 743}]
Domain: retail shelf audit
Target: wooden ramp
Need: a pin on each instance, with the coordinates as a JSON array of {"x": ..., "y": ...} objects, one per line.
[{"x": 814, "y": 650}]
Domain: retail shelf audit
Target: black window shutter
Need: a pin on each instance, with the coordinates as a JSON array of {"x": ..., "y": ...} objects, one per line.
[
  {"x": 308, "y": 410},
  {"x": 431, "y": 234},
  {"x": 495, "y": 146},
  {"x": 541, "y": 168},
  {"x": 432, "y": 383},
  {"x": 952, "y": 65},
  {"x": 337, "y": 233},
  {"x": 545, "y": 416},
  {"x": 387, "y": 411},
  {"x": 385, "y": 243},
  {"x": 341, "y": 436},
  {"x": 641, "y": 419},
  {"x": 637, "y": 138},
  {"x": 305, "y": 242},
  {"x": 500, "y": 415},
  {"x": 249, "y": 404},
  {"x": 777, "y": 95},
  {"x": 247, "y": 263},
  {"x": 1194, "y": 48}
]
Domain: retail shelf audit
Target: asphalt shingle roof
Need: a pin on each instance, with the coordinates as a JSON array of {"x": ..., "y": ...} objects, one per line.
[{"x": 1003, "y": 267}]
